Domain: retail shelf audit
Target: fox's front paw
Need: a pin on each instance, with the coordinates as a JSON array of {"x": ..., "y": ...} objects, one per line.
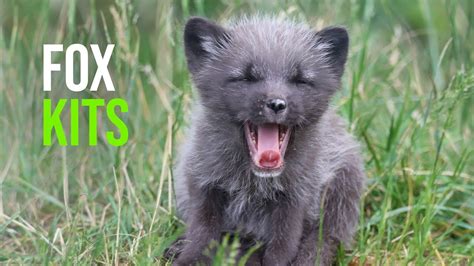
[
  {"x": 254, "y": 260},
  {"x": 184, "y": 261},
  {"x": 174, "y": 249}
]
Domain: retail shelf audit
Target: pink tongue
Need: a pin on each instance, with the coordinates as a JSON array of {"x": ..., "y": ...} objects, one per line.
[{"x": 268, "y": 150}]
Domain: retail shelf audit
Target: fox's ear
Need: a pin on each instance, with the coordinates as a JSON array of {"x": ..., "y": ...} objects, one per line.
[
  {"x": 202, "y": 38},
  {"x": 338, "y": 41}
]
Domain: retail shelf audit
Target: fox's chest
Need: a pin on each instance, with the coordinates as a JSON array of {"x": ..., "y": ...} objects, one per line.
[{"x": 248, "y": 215}]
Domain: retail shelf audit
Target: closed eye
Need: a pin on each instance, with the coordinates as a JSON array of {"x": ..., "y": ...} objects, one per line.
[
  {"x": 243, "y": 79},
  {"x": 248, "y": 75},
  {"x": 298, "y": 77},
  {"x": 299, "y": 80}
]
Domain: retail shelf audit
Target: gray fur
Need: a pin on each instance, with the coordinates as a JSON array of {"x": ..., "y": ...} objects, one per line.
[{"x": 216, "y": 189}]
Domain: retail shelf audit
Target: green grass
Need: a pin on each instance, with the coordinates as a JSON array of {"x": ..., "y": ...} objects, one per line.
[{"x": 408, "y": 93}]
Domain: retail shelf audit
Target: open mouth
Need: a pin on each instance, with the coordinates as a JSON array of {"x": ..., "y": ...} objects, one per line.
[{"x": 267, "y": 144}]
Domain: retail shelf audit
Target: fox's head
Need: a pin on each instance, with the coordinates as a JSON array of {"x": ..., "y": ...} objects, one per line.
[{"x": 267, "y": 75}]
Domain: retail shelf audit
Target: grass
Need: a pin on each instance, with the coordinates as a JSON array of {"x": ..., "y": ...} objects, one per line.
[{"x": 407, "y": 93}]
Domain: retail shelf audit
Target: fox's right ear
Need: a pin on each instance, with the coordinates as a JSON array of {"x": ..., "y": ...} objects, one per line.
[{"x": 202, "y": 39}]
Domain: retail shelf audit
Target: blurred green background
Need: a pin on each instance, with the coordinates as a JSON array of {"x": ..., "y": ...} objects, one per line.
[{"x": 407, "y": 94}]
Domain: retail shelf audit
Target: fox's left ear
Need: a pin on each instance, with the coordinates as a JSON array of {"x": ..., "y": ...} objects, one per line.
[
  {"x": 338, "y": 41},
  {"x": 202, "y": 38}
]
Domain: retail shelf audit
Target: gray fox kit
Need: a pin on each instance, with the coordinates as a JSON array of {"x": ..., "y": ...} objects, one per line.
[{"x": 265, "y": 152}]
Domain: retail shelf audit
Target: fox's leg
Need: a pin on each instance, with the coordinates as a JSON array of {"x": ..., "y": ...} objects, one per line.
[
  {"x": 340, "y": 217},
  {"x": 204, "y": 226}
]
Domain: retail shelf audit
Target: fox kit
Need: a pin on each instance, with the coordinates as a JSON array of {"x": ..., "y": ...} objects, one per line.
[{"x": 266, "y": 157}]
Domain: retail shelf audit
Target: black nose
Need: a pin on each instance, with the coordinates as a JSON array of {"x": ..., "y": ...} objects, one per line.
[{"x": 277, "y": 105}]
